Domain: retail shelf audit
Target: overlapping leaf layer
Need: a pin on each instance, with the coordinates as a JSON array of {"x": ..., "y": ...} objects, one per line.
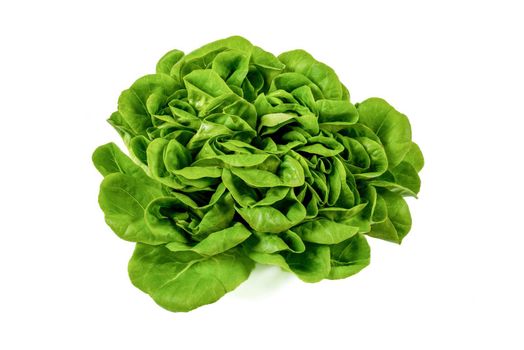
[{"x": 239, "y": 157}]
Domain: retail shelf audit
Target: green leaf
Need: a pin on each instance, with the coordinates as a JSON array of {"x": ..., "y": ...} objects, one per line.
[
  {"x": 368, "y": 158},
  {"x": 289, "y": 82},
  {"x": 266, "y": 60},
  {"x": 216, "y": 243},
  {"x": 269, "y": 243},
  {"x": 166, "y": 216},
  {"x": 336, "y": 115},
  {"x": 341, "y": 215},
  {"x": 176, "y": 156},
  {"x": 144, "y": 98},
  {"x": 203, "y": 57},
  {"x": 138, "y": 149},
  {"x": 274, "y": 218},
  {"x": 232, "y": 66},
  {"x": 109, "y": 159},
  {"x": 312, "y": 265},
  {"x": 202, "y": 86},
  {"x": 322, "y": 146},
  {"x": 406, "y": 176},
  {"x": 166, "y": 63},
  {"x": 290, "y": 174},
  {"x": 398, "y": 221},
  {"x": 415, "y": 157},
  {"x": 402, "y": 179},
  {"x": 157, "y": 166},
  {"x": 324, "y": 231},
  {"x": 323, "y": 76},
  {"x": 182, "y": 286},
  {"x": 218, "y": 217},
  {"x": 123, "y": 199},
  {"x": 121, "y": 126},
  {"x": 243, "y": 194},
  {"x": 349, "y": 257},
  {"x": 392, "y": 127}
]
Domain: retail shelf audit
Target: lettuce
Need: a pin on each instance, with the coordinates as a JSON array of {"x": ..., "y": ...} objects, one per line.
[{"x": 238, "y": 157}]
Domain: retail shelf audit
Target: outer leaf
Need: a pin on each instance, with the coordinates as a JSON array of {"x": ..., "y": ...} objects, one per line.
[
  {"x": 398, "y": 222},
  {"x": 402, "y": 179},
  {"x": 232, "y": 66},
  {"x": 183, "y": 286},
  {"x": 123, "y": 200},
  {"x": 392, "y": 127},
  {"x": 266, "y": 60},
  {"x": 406, "y": 176},
  {"x": 109, "y": 159},
  {"x": 203, "y": 57},
  {"x": 138, "y": 149},
  {"x": 415, "y": 157},
  {"x": 144, "y": 98},
  {"x": 121, "y": 126},
  {"x": 323, "y": 76},
  {"x": 167, "y": 61},
  {"x": 349, "y": 257},
  {"x": 311, "y": 266}
]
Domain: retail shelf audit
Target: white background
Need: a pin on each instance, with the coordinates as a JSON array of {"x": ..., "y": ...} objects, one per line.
[{"x": 455, "y": 68}]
